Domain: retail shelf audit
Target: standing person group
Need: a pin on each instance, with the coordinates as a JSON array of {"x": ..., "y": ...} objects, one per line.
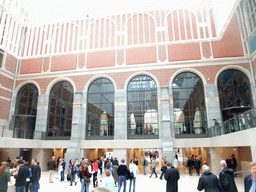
[{"x": 210, "y": 183}]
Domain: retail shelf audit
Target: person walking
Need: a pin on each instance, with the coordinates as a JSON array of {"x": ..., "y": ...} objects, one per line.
[
  {"x": 4, "y": 177},
  {"x": 171, "y": 176},
  {"x": 116, "y": 177},
  {"x": 226, "y": 178},
  {"x": 144, "y": 163},
  {"x": 250, "y": 180},
  {"x": 208, "y": 181},
  {"x": 122, "y": 171},
  {"x": 85, "y": 176},
  {"x": 95, "y": 169},
  {"x": 51, "y": 167},
  {"x": 21, "y": 176},
  {"x": 197, "y": 165},
  {"x": 190, "y": 165},
  {"x": 153, "y": 161},
  {"x": 163, "y": 167},
  {"x": 233, "y": 163},
  {"x": 133, "y": 171},
  {"x": 73, "y": 171},
  {"x": 36, "y": 174},
  {"x": 62, "y": 169}
]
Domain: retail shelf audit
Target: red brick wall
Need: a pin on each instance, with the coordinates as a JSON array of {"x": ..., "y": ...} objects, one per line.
[
  {"x": 183, "y": 52},
  {"x": 141, "y": 55},
  {"x": 101, "y": 59},
  {"x": 64, "y": 62},
  {"x": 5, "y": 109},
  {"x": 10, "y": 63},
  {"x": 31, "y": 66},
  {"x": 230, "y": 44}
]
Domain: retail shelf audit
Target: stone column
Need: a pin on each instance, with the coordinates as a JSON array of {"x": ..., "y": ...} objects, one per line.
[
  {"x": 121, "y": 154},
  {"x": 42, "y": 156},
  {"x": 212, "y": 104},
  {"x": 42, "y": 117},
  {"x": 166, "y": 122},
  {"x": 120, "y": 132},
  {"x": 78, "y": 128},
  {"x": 214, "y": 160},
  {"x": 253, "y": 152}
]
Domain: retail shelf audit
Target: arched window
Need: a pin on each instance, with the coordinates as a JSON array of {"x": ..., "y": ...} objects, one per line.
[
  {"x": 100, "y": 109},
  {"x": 234, "y": 93},
  {"x": 142, "y": 108},
  {"x": 60, "y": 110},
  {"x": 189, "y": 104},
  {"x": 25, "y": 112}
]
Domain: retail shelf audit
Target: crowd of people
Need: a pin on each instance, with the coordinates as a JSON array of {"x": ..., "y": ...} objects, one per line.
[{"x": 107, "y": 174}]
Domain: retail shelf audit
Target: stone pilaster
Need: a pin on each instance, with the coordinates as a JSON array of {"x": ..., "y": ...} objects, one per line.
[
  {"x": 78, "y": 127},
  {"x": 166, "y": 122},
  {"x": 120, "y": 115},
  {"x": 42, "y": 117},
  {"x": 121, "y": 154},
  {"x": 212, "y": 104}
]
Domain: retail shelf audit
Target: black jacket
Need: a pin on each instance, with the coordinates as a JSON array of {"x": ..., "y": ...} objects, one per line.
[
  {"x": 122, "y": 169},
  {"x": 227, "y": 180},
  {"x": 172, "y": 176},
  {"x": 209, "y": 182},
  {"x": 197, "y": 164},
  {"x": 36, "y": 174},
  {"x": 51, "y": 165},
  {"x": 22, "y": 175},
  {"x": 247, "y": 183}
]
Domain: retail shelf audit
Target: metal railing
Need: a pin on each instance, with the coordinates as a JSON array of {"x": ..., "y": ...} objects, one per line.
[
  {"x": 23, "y": 133},
  {"x": 243, "y": 121}
]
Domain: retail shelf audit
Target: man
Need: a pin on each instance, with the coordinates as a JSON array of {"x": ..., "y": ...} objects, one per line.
[
  {"x": 208, "y": 181},
  {"x": 250, "y": 180},
  {"x": 36, "y": 174},
  {"x": 175, "y": 162},
  {"x": 226, "y": 178},
  {"x": 242, "y": 122},
  {"x": 171, "y": 176},
  {"x": 197, "y": 165},
  {"x": 144, "y": 163},
  {"x": 136, "y": 162},
  {"x": 51, "y": 167},
  {"x": 122, "y": 171},
  {"x": 63, "y": 165},
  {"x": 100, "y": 164},
  {"x": 233, "y": 163},
  {"x": 163, "y": 167},
  {"x": 21, "y": 176},
  {"x": 153, "y": 167}
]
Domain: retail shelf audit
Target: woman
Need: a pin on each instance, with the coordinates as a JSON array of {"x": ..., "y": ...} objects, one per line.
[
  {"x": 116, "y": 177},
  {"x": 4, "y": 177},
  {"x": 84, "y": 174},
  {"x": 108, "y": 180},
  {"x": 73, "y": 171},
  {"x": 190, "y": 164},
  {"x": 110, "y": 168},
  {"x": 95, "y": 172},
  {"x": 133, "y": 170}
]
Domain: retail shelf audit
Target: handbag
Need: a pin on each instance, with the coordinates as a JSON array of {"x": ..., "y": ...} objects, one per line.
[
  {"x": 131, "y": 175},
  {"x": 127, "y": 175},
  {"x": 86, "y": 180}
]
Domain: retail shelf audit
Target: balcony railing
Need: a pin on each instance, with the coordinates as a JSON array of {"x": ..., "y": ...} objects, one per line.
[
  {"x": 23, "y": 133},
  {"x": 240, "y": 122}
]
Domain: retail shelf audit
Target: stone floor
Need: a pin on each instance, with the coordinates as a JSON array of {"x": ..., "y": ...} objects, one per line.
[{"x": 143, "y": 183}]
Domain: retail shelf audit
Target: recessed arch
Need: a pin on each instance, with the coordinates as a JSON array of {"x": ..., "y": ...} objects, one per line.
[
  {"x": 140, "y": 73},
  {"x": 98, "y": 77},
  {"x": 53, "y": 82},
  {"x": 27, "y": 82}
]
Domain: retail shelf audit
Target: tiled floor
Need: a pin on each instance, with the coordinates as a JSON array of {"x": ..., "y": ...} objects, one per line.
[{"x": 143, "y": 183}]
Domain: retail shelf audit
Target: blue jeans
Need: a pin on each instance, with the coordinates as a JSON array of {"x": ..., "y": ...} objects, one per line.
[
  {"x": 72, "y": 179},
  {"x": 122, "y": 180},
  {"x": 20, "y": 188},
  {"x": 163, "y": 172},
  {"x": 134, "y": 181},
  {"x": 34, "y": 187},
  {"x": 94, "y": 179},
  {"x": 62, "y": 176},
  {"x": 153, "y": 172},
  {"x": 84, "y": 186}
]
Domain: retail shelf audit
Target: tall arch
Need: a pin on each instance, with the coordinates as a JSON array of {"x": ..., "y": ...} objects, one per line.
[
  {"x": 25, "y": 111},
  {"x": 234, "y": 93},
  {"x": 142, "y": 108},
  {"x": 60, "y": 109},
  {"x": 189, "y": 104},
  {"x": 100, "y": 109}
]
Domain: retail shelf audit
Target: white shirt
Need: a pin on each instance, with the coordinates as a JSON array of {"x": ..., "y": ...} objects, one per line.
[{"x": 134, "y": 168}]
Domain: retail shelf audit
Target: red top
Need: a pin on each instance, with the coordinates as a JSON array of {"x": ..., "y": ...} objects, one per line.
[{"x": 95, "y": 167}]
